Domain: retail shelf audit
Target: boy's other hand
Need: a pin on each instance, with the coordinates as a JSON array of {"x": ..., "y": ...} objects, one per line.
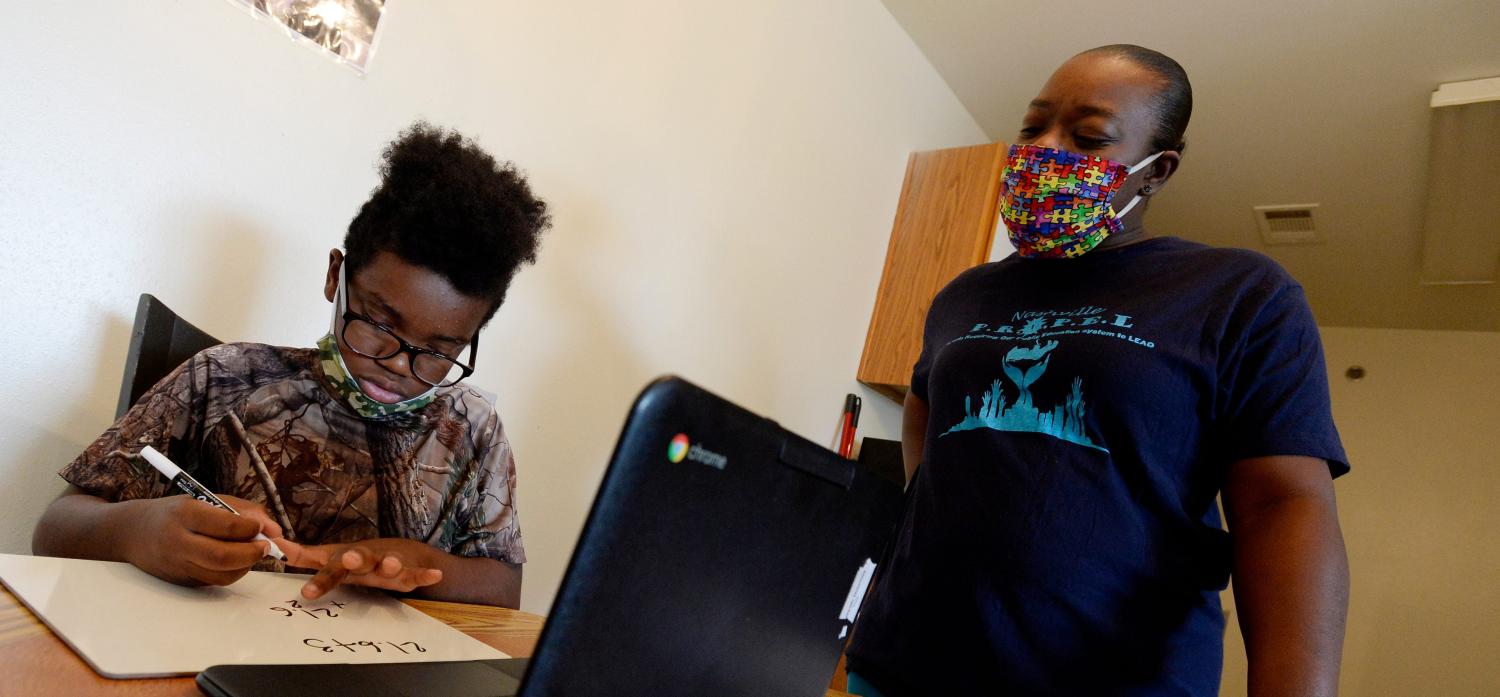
[
  {"x": 192, "y": 543},
  {"x": 391, "y": 563}
]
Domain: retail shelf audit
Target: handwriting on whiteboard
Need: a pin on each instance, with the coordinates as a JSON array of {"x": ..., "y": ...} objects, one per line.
[
  {"x": 327, "y": 609},
  {"x": 333, "y": 645}
]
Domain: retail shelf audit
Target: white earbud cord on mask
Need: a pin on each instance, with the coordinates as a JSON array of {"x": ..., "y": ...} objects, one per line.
[
  {"x": 1137, "y": 198},
  {"x": 338, "y": 298}
]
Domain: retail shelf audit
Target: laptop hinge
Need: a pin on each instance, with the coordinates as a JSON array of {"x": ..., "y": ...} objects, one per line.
[{"x": 816, "y": 461}]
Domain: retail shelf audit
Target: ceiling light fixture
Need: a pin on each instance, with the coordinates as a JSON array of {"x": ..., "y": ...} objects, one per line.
[{"x": 1461, "y": 223}]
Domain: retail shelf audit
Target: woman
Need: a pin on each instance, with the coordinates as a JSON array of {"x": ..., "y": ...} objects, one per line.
[{"x": 1076, "y": 410}]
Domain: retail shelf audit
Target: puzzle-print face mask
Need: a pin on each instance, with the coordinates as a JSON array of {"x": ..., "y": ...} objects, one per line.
[{"x": 1056, "y": 204}]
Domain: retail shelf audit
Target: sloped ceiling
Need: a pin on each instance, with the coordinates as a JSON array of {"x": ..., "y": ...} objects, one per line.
[{"x": 1296, "y": 101}]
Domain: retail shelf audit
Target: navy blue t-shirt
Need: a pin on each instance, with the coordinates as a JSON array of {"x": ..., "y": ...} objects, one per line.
[{"x": 1061, "y": 535}]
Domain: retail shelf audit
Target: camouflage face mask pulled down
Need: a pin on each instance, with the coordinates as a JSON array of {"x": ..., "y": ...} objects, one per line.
[
  {"x": 342, "y": 382},
  {"x": 348, "y": 391}
]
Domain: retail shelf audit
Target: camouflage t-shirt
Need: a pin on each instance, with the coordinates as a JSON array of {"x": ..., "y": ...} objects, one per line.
[{"x": 257, "y": 422}]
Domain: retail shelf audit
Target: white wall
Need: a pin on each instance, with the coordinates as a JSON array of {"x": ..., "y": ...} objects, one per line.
[
  {"x": 1420, "y": 513},
  {"x": 723, "y": 175}
]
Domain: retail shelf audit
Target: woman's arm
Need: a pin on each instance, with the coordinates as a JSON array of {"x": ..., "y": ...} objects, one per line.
[
  {"x": 1291, "y": 574},
  {"x": 913, "y": 432}
]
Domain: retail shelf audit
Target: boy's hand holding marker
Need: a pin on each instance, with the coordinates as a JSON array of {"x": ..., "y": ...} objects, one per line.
[
  {"x": 201, "y": 538},
  {"x": 189, "y": 542}
]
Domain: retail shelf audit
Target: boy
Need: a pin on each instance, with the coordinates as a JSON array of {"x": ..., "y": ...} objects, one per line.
[{"x": 364, "y": 459}]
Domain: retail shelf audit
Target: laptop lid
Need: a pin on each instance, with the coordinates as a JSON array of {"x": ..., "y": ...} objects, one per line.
[{"x": 723, "y": 555}]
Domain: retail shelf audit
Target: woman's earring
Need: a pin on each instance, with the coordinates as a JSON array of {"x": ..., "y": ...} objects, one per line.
[{"x": 1147, "y": 190}]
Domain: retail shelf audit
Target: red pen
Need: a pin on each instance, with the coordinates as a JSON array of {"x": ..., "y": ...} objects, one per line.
[
  {"x": 851, "y": 423},
  {"x": 841, "y": 437}
]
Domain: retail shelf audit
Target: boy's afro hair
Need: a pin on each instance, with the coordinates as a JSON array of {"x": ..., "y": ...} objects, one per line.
[{"x": 445, "y": 204}]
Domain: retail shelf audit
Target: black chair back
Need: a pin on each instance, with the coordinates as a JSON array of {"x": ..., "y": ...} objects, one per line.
[{"x": 159, "y": 343}]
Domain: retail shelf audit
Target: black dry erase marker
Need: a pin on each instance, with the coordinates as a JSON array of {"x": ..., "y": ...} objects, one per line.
[{"x": 186, "y": 483}]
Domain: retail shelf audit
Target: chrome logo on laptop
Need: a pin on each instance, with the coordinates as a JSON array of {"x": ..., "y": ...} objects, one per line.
[
  {"x": 681, "y": 448},
  {"x": 678, "y": 450}
]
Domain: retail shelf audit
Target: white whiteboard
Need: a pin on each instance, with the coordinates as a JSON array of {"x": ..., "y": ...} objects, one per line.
[{"x": 128, "y": 624}]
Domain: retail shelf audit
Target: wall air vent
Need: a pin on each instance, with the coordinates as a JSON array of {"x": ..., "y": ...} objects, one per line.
[{"x": 1288, "y": 224}]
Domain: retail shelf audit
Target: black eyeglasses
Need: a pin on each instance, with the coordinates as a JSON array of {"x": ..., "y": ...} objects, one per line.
[{"x": 372, "y": 339}]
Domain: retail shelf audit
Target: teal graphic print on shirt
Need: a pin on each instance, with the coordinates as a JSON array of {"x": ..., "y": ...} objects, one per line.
[{"x": 1023, "y": 367}]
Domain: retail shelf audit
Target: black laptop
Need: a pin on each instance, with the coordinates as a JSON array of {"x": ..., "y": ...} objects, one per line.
[{"x": 723, "y": 556}]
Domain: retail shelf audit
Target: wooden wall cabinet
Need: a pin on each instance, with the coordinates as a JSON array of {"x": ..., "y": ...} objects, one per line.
[{"x": 945, "y": 224}]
